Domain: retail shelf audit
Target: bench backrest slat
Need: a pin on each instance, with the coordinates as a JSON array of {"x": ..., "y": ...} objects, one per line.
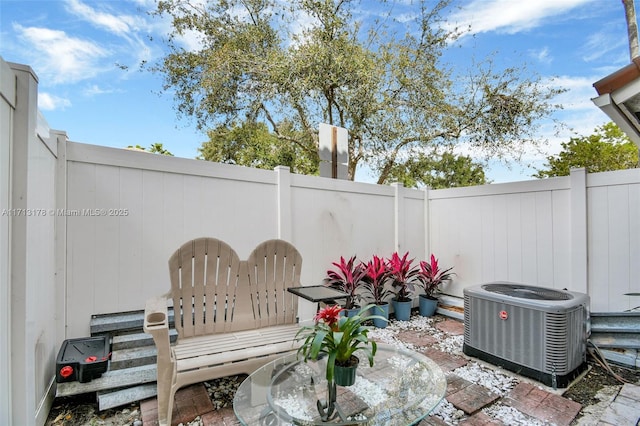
[
  {"x": 201, "y": 272},
  {"x": 213, "y": 291},
  {"x": 274, "y": 266}
]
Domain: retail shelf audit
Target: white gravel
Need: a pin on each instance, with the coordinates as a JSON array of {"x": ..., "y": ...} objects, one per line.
[
  {"x": 486, "y": 377},
  {"x": 494, "y": 380}
]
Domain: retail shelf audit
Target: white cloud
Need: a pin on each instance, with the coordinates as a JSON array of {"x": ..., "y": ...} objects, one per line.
[
  {"x": 49, "y": 102},
  {"x": 604, "y": 43},
  {"x": 59, "y": 57},
  {"x": 579, "y": 92},
  {"x": 95, "y": 90},
  {"x": 116, "y": 24},
  {"x": 541, "y": 55},
  {"x": 131, "y": 28},
  {"x": 510, "y": 16}
]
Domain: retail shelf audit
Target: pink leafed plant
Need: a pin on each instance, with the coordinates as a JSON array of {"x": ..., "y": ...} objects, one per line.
[
  {"x": 377, "y": 274},
  {"x": 348, "y": 277},
  {"x": 403, "y": 275},
  {"x": 432, "y": 276}
]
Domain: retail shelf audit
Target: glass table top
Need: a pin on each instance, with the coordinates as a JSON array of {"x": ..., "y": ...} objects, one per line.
[{"x": 401, "y": 388}]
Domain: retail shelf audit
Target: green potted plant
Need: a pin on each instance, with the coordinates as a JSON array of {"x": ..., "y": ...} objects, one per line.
[
  {"x": 431, "y": 277},
  {"x": 375, "y": 281},
  {"x": 337, "y": 337},
  {"x": 403, "y": 277},
  {"x": 348, "y": 278}
]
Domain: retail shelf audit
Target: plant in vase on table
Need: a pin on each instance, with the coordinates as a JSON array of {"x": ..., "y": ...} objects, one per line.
[
  {"x": 431, "y": 277},
  {"x": 403, "y": 277},
  {"x": 338, "y": 337},
  {"x": 348, "y": 278},
  {"x": 375, "y": 280}
]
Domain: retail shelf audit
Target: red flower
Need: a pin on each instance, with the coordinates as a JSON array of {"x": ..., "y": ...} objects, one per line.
[{"x": 329, "y": 315}]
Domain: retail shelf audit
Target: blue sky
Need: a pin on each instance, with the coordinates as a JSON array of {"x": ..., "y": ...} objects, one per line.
[{"x": 75, "y": 47}]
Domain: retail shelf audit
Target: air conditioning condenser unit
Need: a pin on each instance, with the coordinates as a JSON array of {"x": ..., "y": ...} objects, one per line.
[{"x": 534, "y": 331}]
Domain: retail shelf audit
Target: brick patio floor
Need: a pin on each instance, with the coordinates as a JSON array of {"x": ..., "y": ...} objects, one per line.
[{"x": 471, "y": 398}]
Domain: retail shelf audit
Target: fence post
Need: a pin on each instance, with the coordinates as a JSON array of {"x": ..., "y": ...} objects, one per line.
[
  {"x": 284, "y": 202},
  {"x": 22, "y": 378},
  {"x": 61, "y": 233},
  {"x": 399, "y": 218},
  {"x": 7, "y": 106},
  {"x": 427, "y": 227},
  {"x": 579, "y": 240}
]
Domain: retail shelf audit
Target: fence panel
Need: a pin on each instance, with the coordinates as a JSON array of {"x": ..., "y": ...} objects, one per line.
[
  {"x": 124, "y": 222},
  {"x": 614, "y": 239},
  {"x": 502, "y": 232}
]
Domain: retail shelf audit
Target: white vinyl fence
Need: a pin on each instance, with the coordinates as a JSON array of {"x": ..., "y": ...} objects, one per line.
[
  {"x": 31, "y": 310},
  {"x": 579, "y": 232},
  {"x": 147, "y": 205},
  {"x": 102, "y": 223}
]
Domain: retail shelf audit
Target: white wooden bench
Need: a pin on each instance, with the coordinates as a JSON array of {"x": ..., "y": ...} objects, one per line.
[{"x": 231, "y": 316}]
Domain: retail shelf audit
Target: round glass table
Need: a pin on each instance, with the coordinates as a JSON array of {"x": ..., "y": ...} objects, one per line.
[{"x": 400, "y": 389}]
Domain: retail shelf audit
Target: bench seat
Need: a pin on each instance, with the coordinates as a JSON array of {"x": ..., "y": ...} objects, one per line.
[{"x": 229, "y": 348}]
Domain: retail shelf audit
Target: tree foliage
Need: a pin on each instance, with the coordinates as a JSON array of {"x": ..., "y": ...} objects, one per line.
[
  {"x": 438, "y": 171},
  {"x": 155, "y": 148},
  {"x": 608, "y": 148},
  {"x": 251, "y": 144},
  {"x": 388, "y": 87}
]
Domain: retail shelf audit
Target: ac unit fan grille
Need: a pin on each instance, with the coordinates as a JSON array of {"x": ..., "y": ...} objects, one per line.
[
  {"x": 556, "y": 340},
  {"x": 527, "y": 292}
]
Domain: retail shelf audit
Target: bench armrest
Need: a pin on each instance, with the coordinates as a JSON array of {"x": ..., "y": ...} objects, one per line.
[{"x": 156, "y": 323}]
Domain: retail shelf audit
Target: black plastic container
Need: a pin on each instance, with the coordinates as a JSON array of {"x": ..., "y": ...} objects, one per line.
[{"x": 82, "y": 359}]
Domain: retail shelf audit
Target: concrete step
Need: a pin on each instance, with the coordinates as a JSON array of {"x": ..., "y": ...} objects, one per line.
[
  {"x": 111, "y": 399},
  {"x": 615, "y": 322},
  {"x": 120, "y": 322},
  {"x": 136, "y": 340},
  {"x": 626, "y": 357},
  {"x": 134, "y": 357},
  {"x": 112, "y": 379},
  {"x": 616, "y": 340}
]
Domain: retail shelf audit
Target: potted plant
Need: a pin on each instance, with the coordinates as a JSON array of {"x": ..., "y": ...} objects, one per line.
[
  {"x": 338, "y": 337},
  {"x": 403, "y": 277},
  {"x": 348, "y": 277},
  {"x": 375, "y": 280},
  {"x": 431, "y": 277}
]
